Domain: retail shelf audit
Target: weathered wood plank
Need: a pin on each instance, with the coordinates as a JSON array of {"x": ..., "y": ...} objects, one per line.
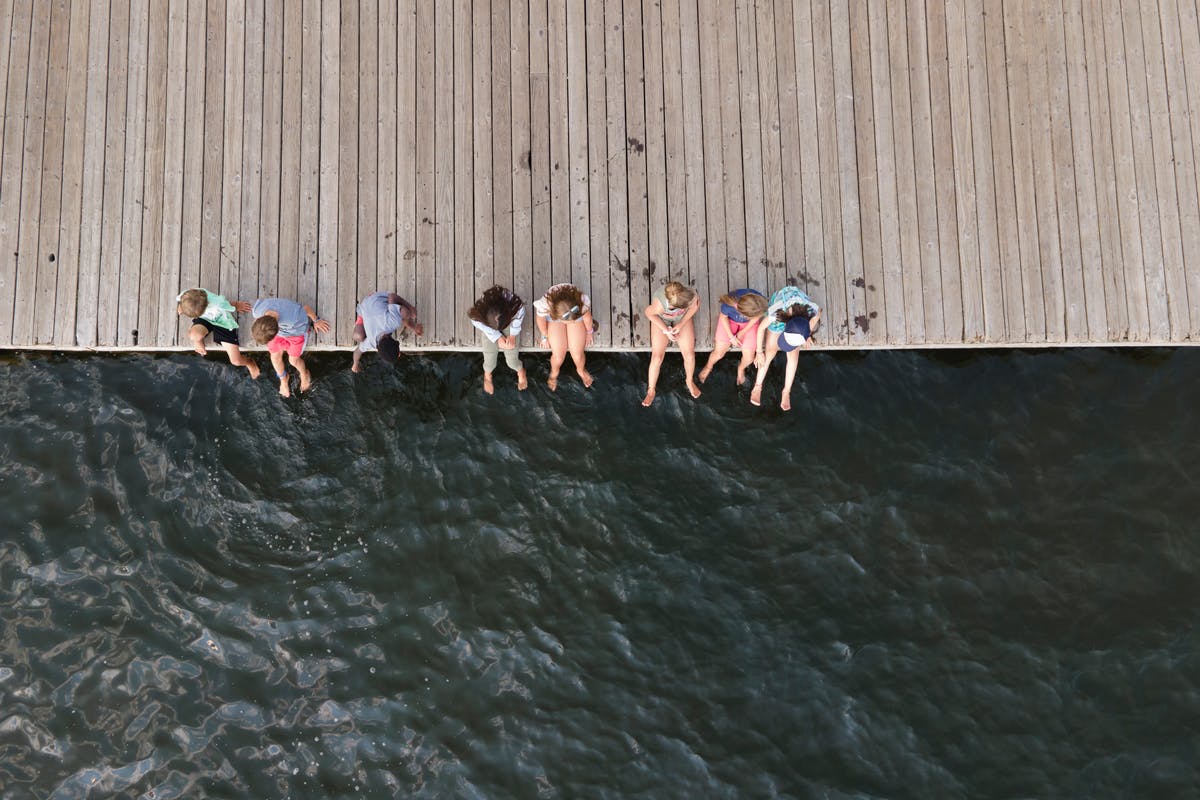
[
  {"x": 710, "y": 159},
  {"x": 290, "y": 144},
  {"x": 617, "y": 315},
  {"x": 271, "y": 177},
  {"x": 674, "y": 138},
  {"x": 920, "y": 88},
  {"x": 387, "y": 187},
  {"x": 851, "y": 175},
  {"x": 251, "y": 121},
  {"x": 946, "y": 188},
  {"x": 807, "y": 257},
  {"x": 133, "y": 195},
  {"x": 349, "y": 169},
  {"x": 560, "y": 164},
  {"x": 904, "y": 148},
  {"x": 523, "y": 281},
  {"x": 694, "y": 144},
  {"x": 443, "y": 176},
  {"x": 328, "y": 220},
  {"x": 308, "y": 246},
  {"x": 70, "y": 224},
  {"x": 175, "y": 120},
  {"x": 730, "y": 116},
  {"x": 367, "y": 188},
  {"x": 407, "y": 153},
  {"x": 463, "y": 264},
  {"x": 774, "y": 266},
  {"x": 146, "y": 313},
  {"x": 577, "y": 144},
  {"x": 114, "y": 176},
  {"x": 836, "y": 310},
  {"x": 539, "y": 143},
  {"x": 599, "y": 278},
  {"x": 639, "y": 212},
  {"x": 1187, "y": 36},
  {"x": 501, "y": 268},
  {"x": 231, "y": 180},
  {"x": 213, "y": 152},
  {"x": 425, "y": 198},
  {"x": 749, "y": 126},
  {"x": 15, "y": 131},
  {"x": 657, "y": 246}
]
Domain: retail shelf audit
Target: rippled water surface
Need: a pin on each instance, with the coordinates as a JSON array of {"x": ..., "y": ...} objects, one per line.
[{"x": 939, "y": 576}]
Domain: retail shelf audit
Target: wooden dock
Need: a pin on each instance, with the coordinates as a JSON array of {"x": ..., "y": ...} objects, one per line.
[{"x": 932, "y": 172}]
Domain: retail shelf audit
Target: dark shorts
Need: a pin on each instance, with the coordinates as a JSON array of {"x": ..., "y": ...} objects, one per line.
[{"x": 220, "y": 335}]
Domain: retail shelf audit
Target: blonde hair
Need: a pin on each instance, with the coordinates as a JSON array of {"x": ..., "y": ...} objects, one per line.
[
  {"x": 193, "y": 302},
  {"x": 264, "y": 329},
  {"x": 562, "y": 299},
  {"x": 678, "y": 295},
  {"x": 750, "y": 304}
]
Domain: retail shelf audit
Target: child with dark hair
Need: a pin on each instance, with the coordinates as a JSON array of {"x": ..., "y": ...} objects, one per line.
[
  {"x": 564, "y": 320},
  {"x": 792, "y": 319},
  {"x": 213, "y": 315},
  {"x": 380, "y": 315},
  {"x": 284, "y": 327},
  {"x": 498, "y": 314}
]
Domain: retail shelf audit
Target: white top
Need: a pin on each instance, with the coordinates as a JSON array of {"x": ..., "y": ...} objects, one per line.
[
  {"x": 542, "y": 306},
  {"x": 494, "y": 335}
]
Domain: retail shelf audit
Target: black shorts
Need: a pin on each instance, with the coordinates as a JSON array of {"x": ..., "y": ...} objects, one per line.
[{"x": 220, "y": 335}]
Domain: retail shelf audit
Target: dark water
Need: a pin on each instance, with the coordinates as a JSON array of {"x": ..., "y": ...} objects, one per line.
[{"x": 939, "y": 576}]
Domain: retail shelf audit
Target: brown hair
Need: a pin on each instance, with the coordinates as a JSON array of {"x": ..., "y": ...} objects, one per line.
[
  {"x": 794, "y": 310},
  {"x": 193, "y": 302},
  {"x": 562, "y": 299},
  {"x": 496, "y": 308},
  {"x": 264, "y": 329},
  {"x": 750, "y": 304},
  {"x": 678, "y": 295}
]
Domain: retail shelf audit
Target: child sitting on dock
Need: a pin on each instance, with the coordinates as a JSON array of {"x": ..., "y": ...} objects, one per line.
[
  {"x": 498, "y": 314},
  {"x": 564, "y": 319},
  {"x": 741, "y": 312},
  {"x": 670, "y": 313},
  {"x": 284, "y": 326},
  {"x": 792, "y": 319},
  {"x": 212, "y": 314},
  {"x": 380, "y": 316}
]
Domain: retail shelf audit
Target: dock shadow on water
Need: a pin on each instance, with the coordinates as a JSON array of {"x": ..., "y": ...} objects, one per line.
[{"x": 941, "y": 575}]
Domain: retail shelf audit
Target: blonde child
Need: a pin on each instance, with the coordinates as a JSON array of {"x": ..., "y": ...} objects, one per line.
[
  {"x": 741, "y": 312},
  {"x": 670, "y": 314},
  {"x": 212, "y": 314},
  {"x": 284, "y": 327}
]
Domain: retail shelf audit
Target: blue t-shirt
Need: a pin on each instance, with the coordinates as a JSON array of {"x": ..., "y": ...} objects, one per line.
[
  {"x": 293, "y": 319},
  {"x": 731, "y": 311},
  {"x": 379, "y": 317}
]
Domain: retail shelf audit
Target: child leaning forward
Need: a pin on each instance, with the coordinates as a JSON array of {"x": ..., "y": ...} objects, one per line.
[
  {"x": 213, "y": 315},
  {"x": 498, "y": 314},
  {"x": 564, "y": 319},
  {"x": 792, "y": 319},
  {"x": 741, "y": 312},
  {"x": 284, "y": 327}
]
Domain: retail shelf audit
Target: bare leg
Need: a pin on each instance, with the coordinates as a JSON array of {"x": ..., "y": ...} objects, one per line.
[
  {"x": 305, "y": 375},
  {"x": 557, "y": 333},
  {"x": 658, "y": 343},
  {"x": 747, "y": 360},
  {"x": 281, "y": 373},
  {"x": 198, "y": 333},
  {"x": 577, "y": 343},
  {"x": 772, "y": 348},
  {"x": 360, "y": 334},
  {"x": 687, "y": 348},
  {"x": 789, "y": 375},
  {"x": 716, "y": 355},
  {"x": 238, "y": 360}
]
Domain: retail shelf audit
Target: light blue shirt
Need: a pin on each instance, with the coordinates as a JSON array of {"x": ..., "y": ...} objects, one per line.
[{"x": 293, "y": 319}]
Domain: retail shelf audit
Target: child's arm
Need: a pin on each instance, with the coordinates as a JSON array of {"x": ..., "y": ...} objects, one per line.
[
  {"x": 320, "y": 324},
  {"x": 723, "y": 325},
  {"x": 692, "y": 309},
  {"x": 760, "y": 358},
  {"x": 653, "y": 312},
  {"x": 543, "y": 325},
  {"x": 588, "y": 324}
]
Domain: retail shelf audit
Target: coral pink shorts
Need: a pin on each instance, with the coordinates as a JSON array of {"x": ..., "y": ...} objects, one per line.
[
  {"x": 746, "y": 332},
  {"x": 292, "y": 345}
]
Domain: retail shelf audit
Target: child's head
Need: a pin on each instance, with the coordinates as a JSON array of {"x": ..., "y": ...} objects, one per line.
[
  {"x": 193, "y": 303},
  {"x": 749, "y": 304},
  {"x": 678, "y": 295},
  {"x": 264, "y": 329},
  {"x": 794, "y": 310},
  {"x": 496, "y": 308},
  {"x": 388, "y": 349},
  {"x": 566, "y": 303}
]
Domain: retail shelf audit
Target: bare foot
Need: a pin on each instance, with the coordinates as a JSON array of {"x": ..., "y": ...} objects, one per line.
[
  {"x": 704, "y": 373},
  {"x": 200, "y": 348},
  {"x": 587, "y": 378},
  {"x": 488, "y": 386},
  {"x": 785, "y": 402},
  {"x": 695, "y": 391},
  {"x": 648, "y": 399},
  {"x": 741, "y": 377},
  {"x": 756, "y": 396},
  {"x": 305, "y": 385},
  {"x": 552, "y": 382},
  {"x": 522, "y": 381},
  {"x": 284, "y": 389},
  {"x": 254, "y": 370}
]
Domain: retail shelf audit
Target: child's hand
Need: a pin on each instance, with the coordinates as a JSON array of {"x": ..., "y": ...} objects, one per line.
[
  {"x": 241, "y": 306},
  {"x": 760, "y": 360},
  {"x": 321, "y": 325},
  {"x": 507, "y": 343},
  {"x": 733, "y": 340}
]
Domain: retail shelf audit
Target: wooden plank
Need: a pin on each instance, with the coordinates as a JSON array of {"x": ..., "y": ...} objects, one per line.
[
  {"x": 836, "y": 311},
  {"x": 853, "y": 176},
  {"x": 694, "y": 143},
  {"x": 891, "y": 264},
  {"x": 904, "y": 148},
  {"x": 214, "y": 153},
  {"x": 133, "y": 195},
  {"x": 1126, "y": 173},
  {"x": 271, "y": 199},
  {"x": 944, "y": 171},
  {"x": 13, "y": 154},
  {"x": 95, "y": 122},
  {"x": 308, "y": 245},
  {"x": 1166, "y": 155},
  {"x": 599, "y": 268},
  {"x": 710, "y": 158},
  {"x": 291, "y": 135},
  {"x": 464, "y": 264},
  {"x": 1149, "y": 210},
  {"x": 42, "y": 306},
  {"x": 150, "y": 262},
  {"x": 800, "y": 124},
  {"x": 367, "y": 190},
  {"x": 425, "y": 198},
  {"x": 619, "y": 311},
  {"x": 502, "y": 144},
  {"x": 195, "y": 114},
  {"x": 577, "y": 144},
  {"x": 387, "y": 222},
  {"x": 1188, "y": 35},
  {"x": 407, "y": 152},
  {"x": 965, "y": 173},
  {"x": 1009, "y": 268},
  {"x": 742, "y": 77},
  {"x": 114, "y": 175},
  {"x": 174, "y": 120},
  {"x": 774, "y": 267},
  {"x": 1091, "y": 266},
  {"x": 920, "y": 90},
  {"x": 1017, "y": 22},
  {"x": 252, "y": 123},
  {"x": 657, "y": 247},
  {"x": 675, "y": 137},
  {"x": 444, "y": 140},
  {"x": 635, "y": 132},
  {"x": 733, "y": 179},
  {"x": 560, "y": 195},
  {"x": 328, "y": 220},
  {"x": 345, "y": 268},
  {"x": 522, "y": 282},
  {"x": 232, "y": 175},
  {"x": 483, "y": 115},
  {"x": 1108, "y": 223},
  {"x": 71, "y": 224}
]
